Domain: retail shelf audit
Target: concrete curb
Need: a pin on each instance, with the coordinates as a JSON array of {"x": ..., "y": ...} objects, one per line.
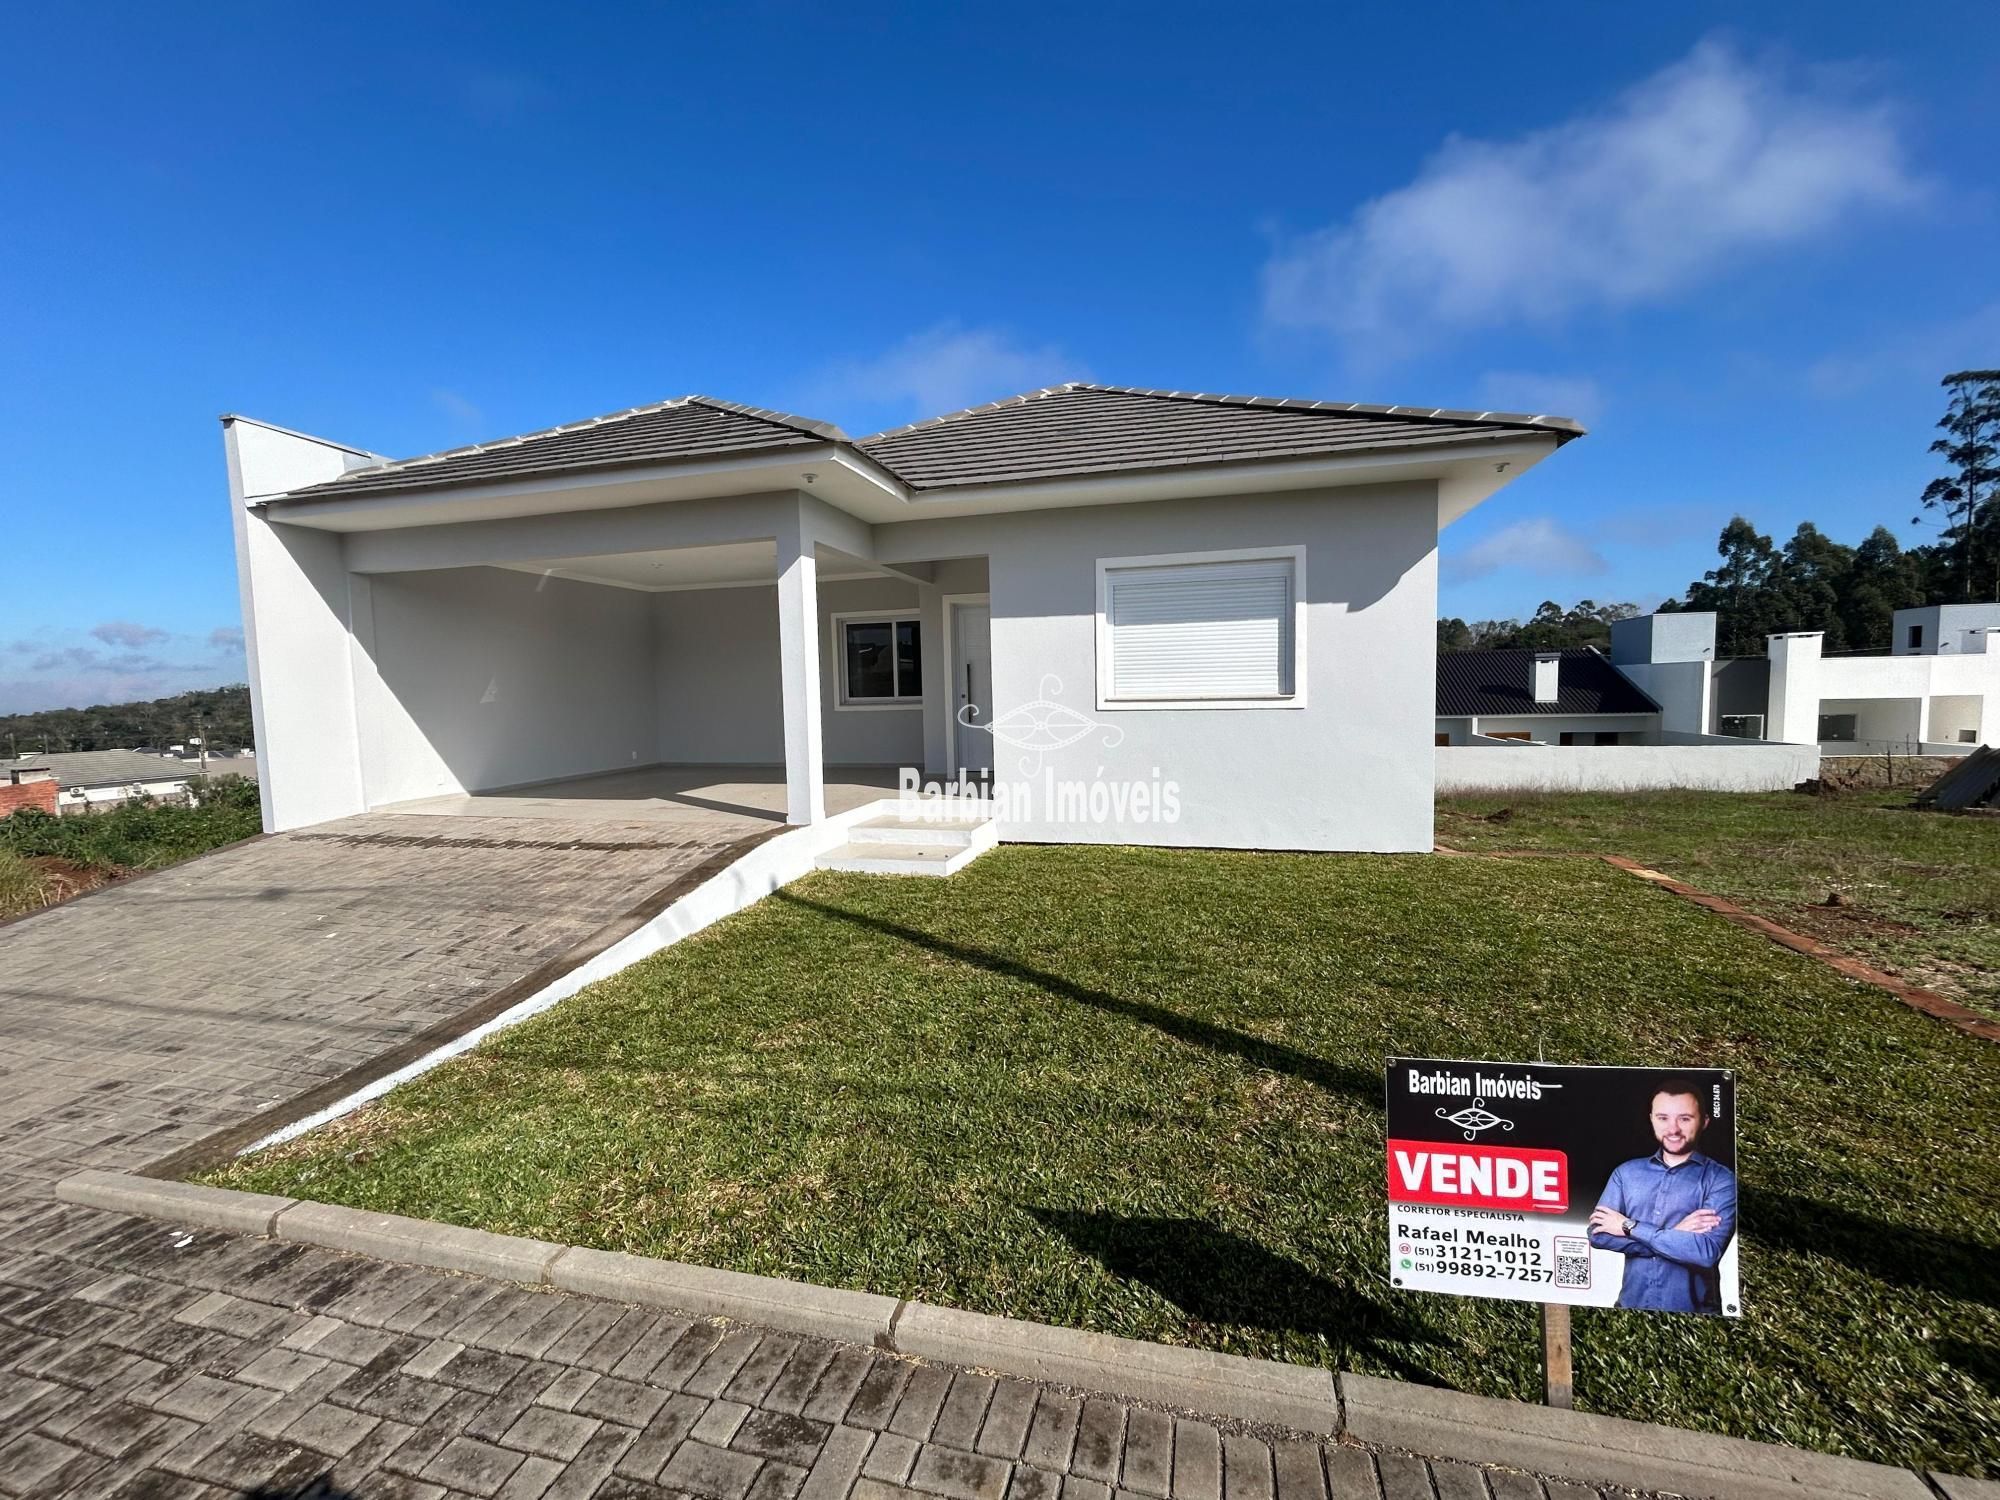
[
  {"x": 418, "y": 1242},
  {"x": 1606, "y": 1450},
  {"x": 1385, "y": 1413},
  {"x": 177, "y": 1202},
  {"x": 796, "y": 1306},
  {"x": 1226, "y": 1385}
]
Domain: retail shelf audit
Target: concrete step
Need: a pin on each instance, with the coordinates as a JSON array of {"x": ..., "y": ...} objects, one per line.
[
  {"x": 954, "y": 833},
  {"x": 899, "y": 859}
]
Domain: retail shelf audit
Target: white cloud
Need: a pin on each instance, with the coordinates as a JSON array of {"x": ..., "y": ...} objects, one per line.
[
  {"x": 942, "y": 369},
  {"x": 1541, "y": 547},
  {"x": 465, "y": 413},
  {"x": 1708, "y": 162},
  {"x": 1575, "y": 396},
  {"x": 60, "y": 671},
  {"x": 125, "y": 633}
]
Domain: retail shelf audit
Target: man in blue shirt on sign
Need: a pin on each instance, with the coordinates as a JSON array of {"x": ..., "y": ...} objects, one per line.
[{"x": 1670, "y": 1214}]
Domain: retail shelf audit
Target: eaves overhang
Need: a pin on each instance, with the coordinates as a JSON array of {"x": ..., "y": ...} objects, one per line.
[{"x": 1464, "y": 472}]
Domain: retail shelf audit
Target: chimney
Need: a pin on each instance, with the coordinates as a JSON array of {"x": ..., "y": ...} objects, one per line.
[{"x": 1548, "y": 667}]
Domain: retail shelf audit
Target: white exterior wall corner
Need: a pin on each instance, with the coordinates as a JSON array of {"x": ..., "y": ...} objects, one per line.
[
  {"x": 1681, "y": 688},
  {"x": 1660, "y": 638},
  {"x": 1344, "y": 773},
  {"x": 468, "y": 679},
  {"x": 294, "y": 589}
]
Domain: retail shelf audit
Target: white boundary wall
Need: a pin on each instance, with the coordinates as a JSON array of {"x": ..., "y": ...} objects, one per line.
[{"x": 1622, "y": 768}]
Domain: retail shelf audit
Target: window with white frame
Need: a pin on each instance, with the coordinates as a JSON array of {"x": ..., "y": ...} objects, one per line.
[
  {"x": 881, "y": 660},
  {"x": 1201, "y": 630}
]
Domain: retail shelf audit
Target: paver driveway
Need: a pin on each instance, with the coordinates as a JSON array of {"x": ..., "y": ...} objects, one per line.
[{"x": 140, "y": 1361}]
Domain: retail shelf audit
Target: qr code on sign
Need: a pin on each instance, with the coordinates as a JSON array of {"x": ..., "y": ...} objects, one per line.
[{"x": 1572, "y": 1261}]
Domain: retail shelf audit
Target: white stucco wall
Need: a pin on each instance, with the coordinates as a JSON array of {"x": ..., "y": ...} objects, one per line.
[
  {"x": 295, "y": 592},
  {"x": 717, "y": 678},
  {"x": 1346, "y": 772},
  {"x": 1952, "y": 715},
  {"x": 1881, "y": 720},
  {"x": 717, "y": 692},
  {"x": 486, "y": 677},
  {"x": 1618, "y": 768},
  {"x": 459, "y": 677},
  {"x": 1681, "y": 688}
]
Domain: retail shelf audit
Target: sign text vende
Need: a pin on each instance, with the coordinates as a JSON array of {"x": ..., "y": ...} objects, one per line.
[{"x": 1475, "y": 1176}]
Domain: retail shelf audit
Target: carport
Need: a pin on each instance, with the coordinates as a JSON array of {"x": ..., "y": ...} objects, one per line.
[{"x": 696, "y": 632}]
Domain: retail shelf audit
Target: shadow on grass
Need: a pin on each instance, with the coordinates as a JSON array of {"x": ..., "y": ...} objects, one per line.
[
  {"x": 1363, "y": 1087},
  {"x": 1920, "y": 1259},
  {"x": 1979, "y": 1361},
  {"x": 1217, "y": 1276}
]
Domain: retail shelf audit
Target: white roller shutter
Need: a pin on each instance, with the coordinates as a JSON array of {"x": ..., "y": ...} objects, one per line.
[{"x": 1201, "y": 630}]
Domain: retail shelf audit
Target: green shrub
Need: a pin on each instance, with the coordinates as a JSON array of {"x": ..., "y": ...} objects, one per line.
[{"x": 141, "y": 834}]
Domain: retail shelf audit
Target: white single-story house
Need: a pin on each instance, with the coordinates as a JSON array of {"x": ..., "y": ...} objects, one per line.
[
  {"x": 1936, "y": 691},
  {"x": 86, "y": 780},
  {"x": 1151, "y": 616},
  {"x": 1663, "y": 710},
  {"x": 1569, "y": 697}
]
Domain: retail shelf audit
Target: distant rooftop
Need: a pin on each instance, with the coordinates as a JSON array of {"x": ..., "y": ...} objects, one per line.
[
  {"x": 121, "y": 767},
  {"x": 1501, "y": 683}
]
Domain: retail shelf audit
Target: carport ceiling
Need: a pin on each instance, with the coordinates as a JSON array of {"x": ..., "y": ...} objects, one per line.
[{"x": 727, "y": 566}]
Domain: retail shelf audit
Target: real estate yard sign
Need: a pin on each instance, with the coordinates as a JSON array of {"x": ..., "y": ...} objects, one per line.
[{"x": 1599, "y": 1187}]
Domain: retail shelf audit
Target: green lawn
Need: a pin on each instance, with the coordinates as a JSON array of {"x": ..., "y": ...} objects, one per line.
[
  {"x": 1140, "y": 1091},
  {"x": 45, "y": 859},
  {"x": 1919, "y": 892}
]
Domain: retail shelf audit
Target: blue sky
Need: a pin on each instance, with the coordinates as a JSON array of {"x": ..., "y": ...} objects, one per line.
[{"x": 1742, "y": 244}]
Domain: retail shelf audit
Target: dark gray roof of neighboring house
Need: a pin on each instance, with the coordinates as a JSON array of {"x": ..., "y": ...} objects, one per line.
[
  {"x": 1081, "y": 428},
  {"x": 689, "y": 427},
  {"x": 119, "y": 767},
  {"x": 1496, "y": 683}
]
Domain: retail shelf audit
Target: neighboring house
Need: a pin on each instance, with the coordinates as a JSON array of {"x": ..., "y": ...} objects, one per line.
[
  {"x": 1662, "y": 711},
  {"x": 27, "y": 786},
  {"x": 1103, "y": 585},
  {"x": 89, "y": 779},
  {"x": 1549, "y": 697},
  {"x": 1937, "y": 691}
]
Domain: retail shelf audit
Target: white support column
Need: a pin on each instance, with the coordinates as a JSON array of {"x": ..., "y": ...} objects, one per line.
[
  {"x": 1793, "y": 698},
  {"x": 798, "y": 663}
]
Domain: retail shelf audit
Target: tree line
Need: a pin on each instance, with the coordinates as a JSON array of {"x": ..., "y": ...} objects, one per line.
[
  {"x": 1813, "y": 582},
  {"x": 219, "y": 715}
]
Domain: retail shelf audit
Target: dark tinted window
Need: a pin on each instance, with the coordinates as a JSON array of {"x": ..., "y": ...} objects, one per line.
[{"x": 871, "y": 671}]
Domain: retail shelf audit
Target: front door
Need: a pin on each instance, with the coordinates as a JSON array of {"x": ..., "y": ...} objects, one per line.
[{"x": 972, "y": 688}]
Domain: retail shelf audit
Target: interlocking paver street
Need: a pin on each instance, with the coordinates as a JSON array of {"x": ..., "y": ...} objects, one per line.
[{"x": 147, "y": 1362}]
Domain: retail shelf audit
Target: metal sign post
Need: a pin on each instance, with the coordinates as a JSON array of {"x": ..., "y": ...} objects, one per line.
[{"x": 1557, "y": 1381}]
